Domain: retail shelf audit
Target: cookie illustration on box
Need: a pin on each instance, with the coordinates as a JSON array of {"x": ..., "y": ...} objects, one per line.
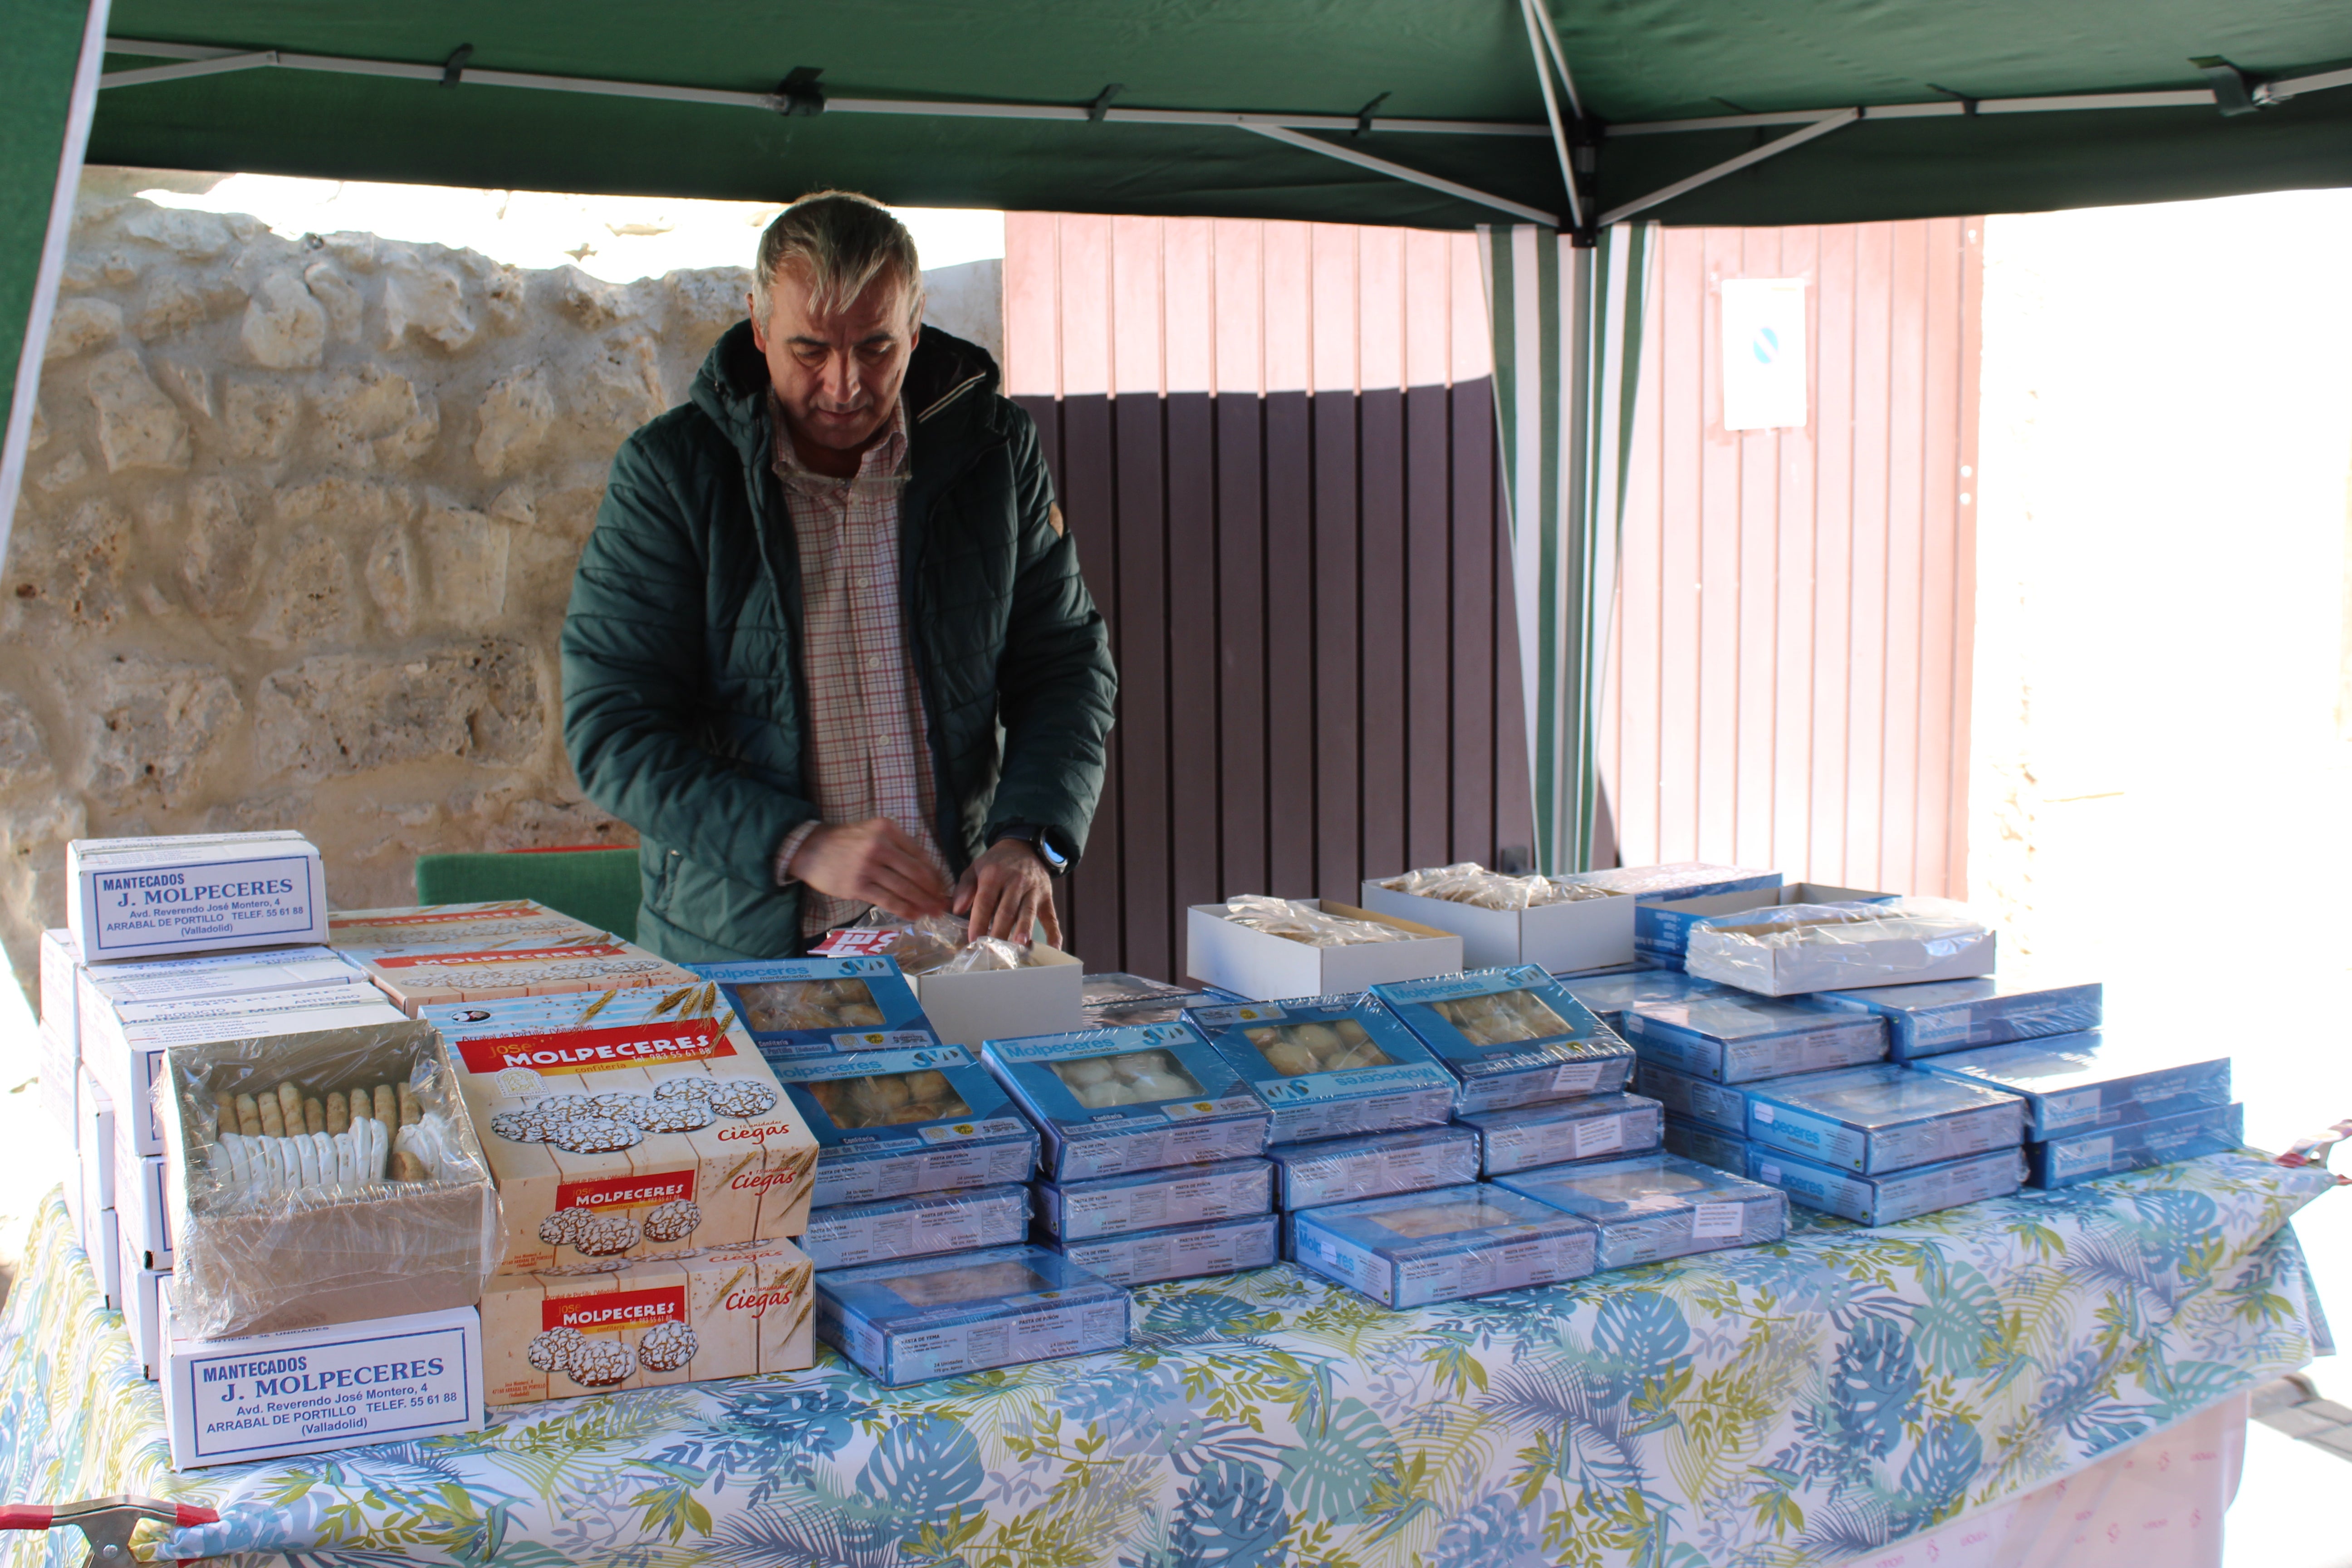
[{"x": 629, "y": 1126}]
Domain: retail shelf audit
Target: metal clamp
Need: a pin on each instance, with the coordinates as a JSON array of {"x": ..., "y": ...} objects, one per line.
[
  {"x": 2233, "y": 91},
  {"x": 1364, "y": 116},
  {"x": 798, "y": 93},
  {"x": 454, "y": 67},
  {"x": 1100, "y": 107},
  {"x": 106, "y": 1522}
]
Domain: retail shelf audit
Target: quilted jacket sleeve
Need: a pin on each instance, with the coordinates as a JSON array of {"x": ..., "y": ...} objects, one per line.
[
  {"x": 1054, "y": 682},
  {"x": 633, "y": 649}
]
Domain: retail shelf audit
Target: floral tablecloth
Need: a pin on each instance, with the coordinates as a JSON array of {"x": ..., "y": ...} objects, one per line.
[{"x": 1800, "y": 1404}]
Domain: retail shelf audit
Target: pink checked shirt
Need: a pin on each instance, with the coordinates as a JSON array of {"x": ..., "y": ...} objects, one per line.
[{"x": 866, "y": 750}]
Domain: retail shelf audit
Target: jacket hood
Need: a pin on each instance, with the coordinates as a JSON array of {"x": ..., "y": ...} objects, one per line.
[{"x": 947, "y": 376}]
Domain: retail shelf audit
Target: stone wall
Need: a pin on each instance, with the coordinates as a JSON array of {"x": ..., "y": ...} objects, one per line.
[{"x": 299, "y": 524}]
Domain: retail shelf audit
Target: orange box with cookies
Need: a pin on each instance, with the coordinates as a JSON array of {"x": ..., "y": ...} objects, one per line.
[
  {"x": 728, "y": 1313},
  {"x": 629, "y": 1127}
]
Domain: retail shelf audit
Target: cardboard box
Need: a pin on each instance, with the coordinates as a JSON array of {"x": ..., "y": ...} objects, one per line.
[
  {"x": 1111, "y": 1100},
  {"x": 1655, "y": 1206},
  {"x": 1181, "y": 1252},
  {"x": 127, "y": 1059},
  {"x": 94, "y": 1145},
  {"x": 1741, "y": 1039},
  {"x": 142, "y": 1314},
  {"x": 1510, "y": 1037},
  {"x": 1593, "y": 1128},
  {"x": 1588, "y": 933},
  {"x": 57, "y": 963},
  {"x": 657, "y": 1129},
  {"x": 2137, "y": 1146},
  {"x": 270, "y": 1396},
  {"x": 1411, "y": 1248},
  {"x": 1253, "y": 965},
  {"x": 1115, "y": 1001},
  {"x": 1803, "y": 948},
  {"x": 141, "y": 1187},
  {"x": 256, "y": 1261},
  {"x": 1046, "y": 996},
  {"x": 1722, "y": 1106},
  {"x": 796, "y": 1007},
  {"x": 101, "y": 1239},
  {"x": 503, "y": 923},
  {"x": 1612, "y": 996},
  {"x": 60, "y": 1083},
  {"x": 892, "y": 1125},
  {"x": 934, "y": 1317},
  {"x": 1707, "y": 1145},
  {"x": 1930, "y": 1019},
  {"x": 1330, "y": 1066},
  {"x": 262, "y": 972},
  {"x": 417, "y": 978},
  {"x": 1679, "y": 879},
  {"x": 1342, "y": 1170},
  {"x": 1662, "y": 925},
  {"x": 733, "y": 1311},
  {"x": 1154, "y": 1200},
  {"x": 2078, "y": 1083},
  {"x": 1874, "y": 1121},
  {"x": 147, "y": 897},
  {"x": 1886, "y": 1200},
  {"x": 849, "y": 1233}
]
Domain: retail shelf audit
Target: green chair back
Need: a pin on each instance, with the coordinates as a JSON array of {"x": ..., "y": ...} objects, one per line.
[{"x": 598, "y": 886}]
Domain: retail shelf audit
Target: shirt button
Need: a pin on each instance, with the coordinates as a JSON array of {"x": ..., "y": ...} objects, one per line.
[
  {"x": 858, "y": 582},
  {"x": 873, "y": 661}
]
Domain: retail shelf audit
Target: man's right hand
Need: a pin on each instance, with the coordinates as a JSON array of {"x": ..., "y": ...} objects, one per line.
[{"x": 874, "y": 863}]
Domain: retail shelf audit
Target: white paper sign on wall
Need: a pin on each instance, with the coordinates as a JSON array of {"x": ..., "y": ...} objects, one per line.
[{"x": 1763, "y": 352}]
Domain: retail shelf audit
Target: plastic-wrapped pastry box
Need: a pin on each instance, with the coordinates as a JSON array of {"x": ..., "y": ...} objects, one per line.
[
  {"x": 2080, "y": 1083},
  {"x": 421, "y": 977},
  {"x": 1661, "y": 1205},
  {"x": 1342, "y": 1170},
  {"x": 1960, "y": 1015},
  {"x": 850, "y": 1234},
  {"x": 1611, "y": 997},
  {"x": 498, "y": 924},
  {"x": 1799, "y": 948},
  {"x": 1739, "y": 1039},
  {"x": 1663, "y": 924},
  {"x": 1528, "y": 1136},
  {"x": 1881, "y": 1119},
  {"x": 892, "y": 1124},
  {"x": 2136, "y": 1146},
  {"x": 1153, "y": 1200},
  {"x": 1142, "y": 1099},
  {"x": 1707, "y": 1145},
  {"x": 1681, "y": 880},
  {"x": 293, "y": 1207},
  {"x": 1261, "y": 948},
  {"x": 1181, "y": 1251},
  {"x": 797, "y": 1006},
  {"x": 1411, "y": 1248},
  {"x": 1511, "y": 1037},
  {"x": 933, "y": 1317},
  {"x": 733, "y": 1311},
  {"x": 630, "y": 1127},
  {"x": 1720, "y": 1105},
  {"x": 1330, "y": 1066},
  {"x": 1885, "y": 1200},
  {"x": 1556, "y": 922}
]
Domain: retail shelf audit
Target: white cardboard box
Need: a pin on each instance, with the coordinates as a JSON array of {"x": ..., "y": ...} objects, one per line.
[
  {"x": 56, "y": 972},
  {"x": 1662, "y": 927},
  {"x": 1267, "y": 968},
  {"x": 140, "y": 1206},
  {"x": 101, "y": 1238},
  {"x": 142, "y": 1313},
  {"x": 271, "y": 1395},
  {"x": 147, "y": 898},
  {"x": 1588, "y": 934},
  {"x": 95, "y": 1138},
  {"x": 61, "y": 1089},
  {"x": 1046, "y": 998}
]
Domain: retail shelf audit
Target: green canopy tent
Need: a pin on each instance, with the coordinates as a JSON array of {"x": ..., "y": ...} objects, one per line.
[{"x": 1556, "y": 122}]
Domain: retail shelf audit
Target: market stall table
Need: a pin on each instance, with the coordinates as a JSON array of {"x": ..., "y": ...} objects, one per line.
[{"x": 1801, "y": 1402}]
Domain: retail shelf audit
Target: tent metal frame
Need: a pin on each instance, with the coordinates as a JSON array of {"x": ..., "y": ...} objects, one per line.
[{"x": 1574, "y": 152}]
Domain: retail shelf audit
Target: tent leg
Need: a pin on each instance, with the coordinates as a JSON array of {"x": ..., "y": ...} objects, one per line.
[{"x": 66, "y": 71}]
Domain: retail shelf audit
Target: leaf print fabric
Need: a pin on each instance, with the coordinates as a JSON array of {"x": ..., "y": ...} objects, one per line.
[{"x": 1780, "y": 1407}]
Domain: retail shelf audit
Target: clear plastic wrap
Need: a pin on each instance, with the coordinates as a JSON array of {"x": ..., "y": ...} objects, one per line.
[
  {"x": 1655, "y": 1206},
  {"x": 1789, "y": 949},
  {"x": 1295, "y": 921},
  {"x": 797, "y": 1006},
  {"x": 1115, "y": 986},
  {"x": 1409, "y": 1249},
  {"x": 1881, "y": 1119},
  {"x": 295, "y": 1206},
  {"x": 912, "y": 1319},
  {"x": 944, "y": 944},
  {"x": 1196, "y": 1251},
  {"x": 1341, "y": 1170},
  {"x": 1467, "y": 882},
  {"x": 1683, "y": 880}
]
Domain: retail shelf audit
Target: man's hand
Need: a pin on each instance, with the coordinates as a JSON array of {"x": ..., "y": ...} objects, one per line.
[
  {"x": 874, "y": 863},
  {"x": 1006, "y": 889}
]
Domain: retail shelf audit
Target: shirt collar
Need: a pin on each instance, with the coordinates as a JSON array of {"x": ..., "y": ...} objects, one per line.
[{"x": 883, "y": 463}]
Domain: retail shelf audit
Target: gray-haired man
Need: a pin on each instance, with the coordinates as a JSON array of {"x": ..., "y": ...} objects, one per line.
[{"x": 828, "y": 646}]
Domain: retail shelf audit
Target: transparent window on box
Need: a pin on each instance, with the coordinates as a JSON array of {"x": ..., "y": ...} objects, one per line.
[
  {"x": 889, "y": 1100},
  {"x": 1125, "y": 1077},
  {"x": 1502, "y": 1018},
  {"x": 1295, "y": 1049},
  {"x": 774, "y": 1006}
]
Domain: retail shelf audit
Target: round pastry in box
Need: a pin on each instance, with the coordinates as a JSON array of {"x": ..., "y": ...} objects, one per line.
[{"x": 325, "y": 1177}]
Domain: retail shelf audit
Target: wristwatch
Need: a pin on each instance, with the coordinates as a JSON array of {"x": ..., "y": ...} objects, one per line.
[{"x": 1040, "y": 839}]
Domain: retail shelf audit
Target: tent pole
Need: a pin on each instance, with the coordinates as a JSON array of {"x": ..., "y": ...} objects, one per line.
[
  {"x": 187, "y": 69},
  {"x": 81, "y": 101},
  {"x": 1551, "y": 113},
  {"x": 1399, "y": 171},
  {"x": 1835, "y": 120}
]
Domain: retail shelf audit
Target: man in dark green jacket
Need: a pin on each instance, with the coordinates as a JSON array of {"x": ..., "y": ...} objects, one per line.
[{"x": 828, "y": 647}]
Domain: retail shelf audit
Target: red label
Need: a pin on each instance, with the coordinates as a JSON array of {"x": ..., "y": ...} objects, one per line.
[
  {"x": 505, "y": 955},
  {"x": 855, "y": 943},
  {"x": 587, "y": 1050},
  {"x": 626, "y": 1191},
  {"x": 756, "y": 1302},
  {"x": 613, "y": 1310}
]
